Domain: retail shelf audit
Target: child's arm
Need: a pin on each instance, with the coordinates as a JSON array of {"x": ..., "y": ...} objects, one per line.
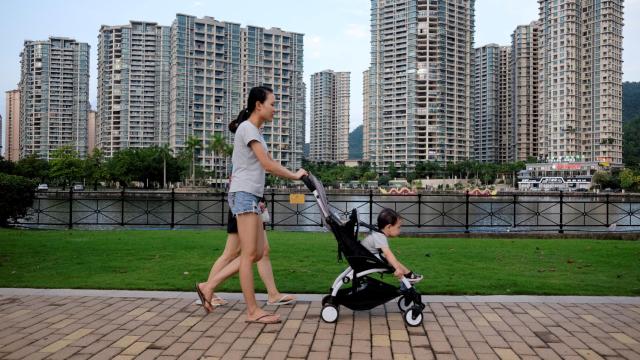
[{"x": 400, "y": 268}]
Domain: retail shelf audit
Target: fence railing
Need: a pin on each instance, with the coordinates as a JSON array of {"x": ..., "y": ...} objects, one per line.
[{"x": 421, "y": 213}]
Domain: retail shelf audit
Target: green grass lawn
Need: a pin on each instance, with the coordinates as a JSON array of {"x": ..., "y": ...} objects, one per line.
[{"x": 306, "y": 262}]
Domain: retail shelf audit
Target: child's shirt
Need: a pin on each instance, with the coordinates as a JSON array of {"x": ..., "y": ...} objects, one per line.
[{"x": 375, "y": 241}]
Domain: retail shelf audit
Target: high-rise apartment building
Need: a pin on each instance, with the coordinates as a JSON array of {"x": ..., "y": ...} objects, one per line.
[
  {"x": 133, "y": 86},
  {"x": 205, "y": 83},
  {"x": 274, "y": 57},
  {"x": 525, "y": 85},
  {"x": 54, "y": 96},
  {"x": 581, "y": 80},
  {"x": 366, "y": 104},
  {"x": 421, "y": 54},
  {"x": 214, "y": 64},
  {"x": 12, "y": 126},
  {"x": 330, "y": 98},
  {"x": 486, "y": 102},
  {"x": 491, "y": 103},
  {"x": 505, "y": 125},
  {"x": 91, "y": 132}
]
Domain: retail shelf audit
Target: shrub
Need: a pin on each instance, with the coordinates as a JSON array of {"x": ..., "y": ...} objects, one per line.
[{"x": 16, "y": 196}]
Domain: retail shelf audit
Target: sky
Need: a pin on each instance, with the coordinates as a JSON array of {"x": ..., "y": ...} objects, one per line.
[{"x": 336, "y": 31}]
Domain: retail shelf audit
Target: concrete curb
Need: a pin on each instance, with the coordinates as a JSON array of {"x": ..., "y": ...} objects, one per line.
[{"x": 318, "y": 297}]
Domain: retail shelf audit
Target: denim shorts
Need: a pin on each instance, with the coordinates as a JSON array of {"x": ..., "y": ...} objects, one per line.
[{"x": 242, "y": 202}]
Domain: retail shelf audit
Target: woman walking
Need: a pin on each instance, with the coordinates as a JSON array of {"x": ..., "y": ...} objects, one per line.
[{"x": 251, "y": 159}]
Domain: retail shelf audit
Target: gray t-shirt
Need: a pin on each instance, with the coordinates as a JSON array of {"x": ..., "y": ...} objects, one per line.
[
  {"x": 248, "y": 173},
  {"x": 374, "y": 242}
]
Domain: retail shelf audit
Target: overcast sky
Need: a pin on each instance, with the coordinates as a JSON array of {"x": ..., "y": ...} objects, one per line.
[{"x": 336, "y": 31}]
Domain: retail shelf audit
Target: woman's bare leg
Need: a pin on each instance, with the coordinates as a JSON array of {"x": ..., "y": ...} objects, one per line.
[
  {"x": 266, "y": 273},
  {"x": 231, "y": 252},
  {"x": 251, "y": 250}
]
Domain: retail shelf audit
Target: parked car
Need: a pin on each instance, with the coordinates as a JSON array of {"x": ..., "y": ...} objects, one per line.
[
  {"x": 78, "y": 187},
  {"x": 43, "y": 187}
]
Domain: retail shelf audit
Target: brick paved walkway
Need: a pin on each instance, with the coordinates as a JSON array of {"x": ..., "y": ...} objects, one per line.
[{"x": 36, "y": 324}]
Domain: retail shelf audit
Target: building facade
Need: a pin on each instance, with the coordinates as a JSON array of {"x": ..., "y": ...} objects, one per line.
[
  {"x": 274, "y": 57},
  {"x": 133, "y": 86},
  {"x": 91, "y": 132},
  {"x": 420, "y": 93},
  {"x": 486, "y": 93},
  {"x": 214, "y": 64},
  {"x": 581, "y": 80},
  {"x": 525, "y": 87},
  {"x": 54, "y": 96},
  {"x": 329, "y": 131},
  {"x": 205, "y": 84},
  {"x": 12, "y": 126},
  {"x": 366, "y": 104}
]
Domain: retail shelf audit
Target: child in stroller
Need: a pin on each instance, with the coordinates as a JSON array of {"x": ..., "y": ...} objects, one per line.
[
  {"x": 389, "y": 223},
  {"x": 365, "y": 291}
]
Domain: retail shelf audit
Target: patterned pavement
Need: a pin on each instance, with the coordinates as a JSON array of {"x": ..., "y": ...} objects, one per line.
[{"x": 89, "y": 324}]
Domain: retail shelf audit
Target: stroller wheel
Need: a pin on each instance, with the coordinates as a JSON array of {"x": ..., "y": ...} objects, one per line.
[
  {"x": 404, "y": 303},
  {"x": 413, "y": 317},
  {"x": 330, "y": 313}
]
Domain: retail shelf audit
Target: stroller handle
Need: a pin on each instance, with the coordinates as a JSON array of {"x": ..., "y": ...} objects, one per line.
[{"x": 307, "y": 181}]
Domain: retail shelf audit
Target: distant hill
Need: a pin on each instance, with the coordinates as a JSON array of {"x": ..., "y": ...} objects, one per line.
[
  {"x": 355, "y": 143},
  {"x": 630, "y": 100}
]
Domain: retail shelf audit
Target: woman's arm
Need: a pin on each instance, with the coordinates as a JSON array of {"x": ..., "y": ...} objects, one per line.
[{"x": 272, "y": 166}]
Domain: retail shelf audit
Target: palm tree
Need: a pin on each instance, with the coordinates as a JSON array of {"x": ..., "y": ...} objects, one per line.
[
  {"x": 218, "y": 147},
  {"x": 190, "y": 146},
  {"x": 164, "y": 152}
]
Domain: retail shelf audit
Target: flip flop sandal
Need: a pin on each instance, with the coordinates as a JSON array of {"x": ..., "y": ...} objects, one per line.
[
  {"x": 283, "y": 301},
  {"x": 203, "y": 301},
  {"x": 262, "y": 320}
]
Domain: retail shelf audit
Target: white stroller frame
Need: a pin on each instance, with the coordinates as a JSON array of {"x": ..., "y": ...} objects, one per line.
[{"x": 410, "y": 300}]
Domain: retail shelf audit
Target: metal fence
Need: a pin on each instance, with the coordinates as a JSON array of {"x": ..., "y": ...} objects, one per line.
[{"x": 421, "y": 213}]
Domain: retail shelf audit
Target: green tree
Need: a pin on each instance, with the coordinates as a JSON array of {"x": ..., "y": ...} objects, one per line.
[
  {"x": 219, "y": 149},
  {"x": 393, "y": 172},
  {"x": 32, "y": 167},
  {"x": 631, "y": 142},
  {"x": 629, "y": 180},
  {"x": 94, "y": 168},
  {"x": 191, "y": 145},
  {"x": 17, "y": 196},
  {"x": 122, "y": 167},
  {"x": 66, "y": 165},
  {"x": 6, "y": 166}
]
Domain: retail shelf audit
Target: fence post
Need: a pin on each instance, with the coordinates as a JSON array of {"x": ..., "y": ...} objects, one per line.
[
  {"x": 370, "y": 207},
  {"x": 607, "y": 207},
  {"x": 466, "y": 222},
  {"x": 122, "y": 207},
  {"x": 273, "y": 208},
  {"x": 70, "y": 206},
  {"x": 515, "y": 209},
  {"x": 173, "y": 207},
  {"x": 561, "y": 231},
  {"x": 419, "y": 209}
]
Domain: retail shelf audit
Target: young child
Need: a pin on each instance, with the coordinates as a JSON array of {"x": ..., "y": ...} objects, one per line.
[{"x": 389, "y": 224}]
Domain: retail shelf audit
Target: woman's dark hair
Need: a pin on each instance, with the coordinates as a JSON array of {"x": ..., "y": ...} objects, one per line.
[
  {"x": 387, "y": 217},
  {"x": 258, "y": 93}
]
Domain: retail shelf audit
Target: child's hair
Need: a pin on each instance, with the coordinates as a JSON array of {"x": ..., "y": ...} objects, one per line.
[
  {"x": 258, "y": 93},
  {"x": 387, "y": 217}
]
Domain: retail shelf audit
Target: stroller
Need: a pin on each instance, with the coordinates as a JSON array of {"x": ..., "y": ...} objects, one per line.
[{"x": 365, "y": 292}]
